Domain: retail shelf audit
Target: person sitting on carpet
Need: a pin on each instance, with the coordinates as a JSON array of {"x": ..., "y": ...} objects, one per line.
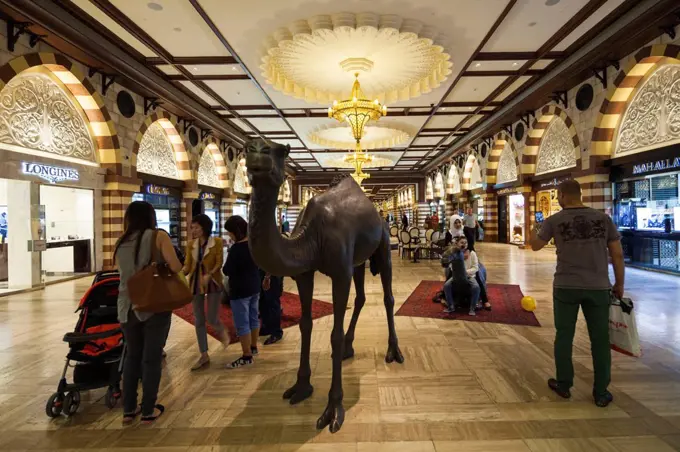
[
  {"x": 270, "y": 307},
  {"x": 460, "y": 243}
]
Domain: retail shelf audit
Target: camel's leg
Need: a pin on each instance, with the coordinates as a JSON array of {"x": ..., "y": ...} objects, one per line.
[
  {"x": 334, "y": 414},
  {"x": 385, "y": 265},
  {"x": 359, "y": 277},
  {"x": 302, "y": 389}
]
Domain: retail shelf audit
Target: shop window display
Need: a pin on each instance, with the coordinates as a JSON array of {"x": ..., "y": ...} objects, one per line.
[{"x": 517, "y": 219}]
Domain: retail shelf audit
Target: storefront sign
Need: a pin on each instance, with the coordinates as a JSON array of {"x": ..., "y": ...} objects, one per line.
[
  {"x": 157, "y": 190},
  {"x": 659, "y": 165},
  {"x": 507, "y": 191},
  {"x": 206, "y": 195},
  {"x": 552, "y": 182},
  {"x": 52, "y": 174}
]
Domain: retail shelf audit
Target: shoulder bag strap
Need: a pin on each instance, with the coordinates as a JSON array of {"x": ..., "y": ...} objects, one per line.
[{"x": 155, "y": 252}]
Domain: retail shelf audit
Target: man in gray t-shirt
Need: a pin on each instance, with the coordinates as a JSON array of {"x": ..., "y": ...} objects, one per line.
[{"x": 585, "y": 239}]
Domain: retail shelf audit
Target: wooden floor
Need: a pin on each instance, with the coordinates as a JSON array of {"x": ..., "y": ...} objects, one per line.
[{"x": 464, "y": 386}]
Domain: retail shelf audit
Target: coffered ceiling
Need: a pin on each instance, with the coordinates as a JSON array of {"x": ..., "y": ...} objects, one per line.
[{"x": 212, "y": 50}]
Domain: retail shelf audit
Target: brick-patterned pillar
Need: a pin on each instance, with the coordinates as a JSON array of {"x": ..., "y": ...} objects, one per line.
[
  {"x": 226, "y": 210},
  {"x": 490, "y": 217},
  {"x": 116, "y": 196},
  {"x": 293, "y": 214},
  {"x": 422, "y": 212},
  {"x": 529, "y": 210},
  {"x": 189, "y": 194},
  {"x": 596, "y": 191}
]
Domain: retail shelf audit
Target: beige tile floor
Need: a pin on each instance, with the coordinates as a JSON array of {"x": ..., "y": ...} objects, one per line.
[{"x": 464, "y": 386}]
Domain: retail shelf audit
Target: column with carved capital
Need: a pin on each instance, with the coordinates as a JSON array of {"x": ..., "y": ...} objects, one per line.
[{"x": 116, "y": 196}]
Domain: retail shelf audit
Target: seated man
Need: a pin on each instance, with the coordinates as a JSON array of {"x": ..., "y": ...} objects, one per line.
[{"x": 464, "y": 273}]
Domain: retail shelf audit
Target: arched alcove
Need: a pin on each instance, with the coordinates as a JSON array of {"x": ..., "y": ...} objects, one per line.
[
  {"x": 212, "y": 169},
  {"x": 557, "y": 150},
  {"x": 439, "y": 189},
  {"x": 652, "y": 118},
  {"x": 453, "y": 181},
  {"x": 429, "y": 189},
  {"x": 241, "y": 184},
  {"x": 472, "y": 174},
  {"x": 552, "y": 144},
  {"x": 507, "y": 165},
  {"x": 159, "y": 149},
  {"x": 49, "y": 108}
]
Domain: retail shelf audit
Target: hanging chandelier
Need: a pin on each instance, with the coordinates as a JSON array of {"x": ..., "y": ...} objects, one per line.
[{"x": 357, "y": 112}]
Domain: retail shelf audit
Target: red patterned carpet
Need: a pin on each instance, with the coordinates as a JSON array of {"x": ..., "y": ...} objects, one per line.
[
  {"x": 505, "y": 301},
  {"x": 290, "y": 304}
]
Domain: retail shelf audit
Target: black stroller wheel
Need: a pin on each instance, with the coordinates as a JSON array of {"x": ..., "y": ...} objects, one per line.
[
  {"x": 55, "y": 404},
  {"x": 71, "y": 403},
  {"x": 111, "y": 397}
]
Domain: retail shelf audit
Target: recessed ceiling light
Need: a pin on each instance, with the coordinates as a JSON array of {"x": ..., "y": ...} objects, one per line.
[
  {"x": 195, "y": 68},
  {"x": 478, "y": 64},
  {"x": 233, "y": 68},
  {"x": 443, "y": 108},
  {"x": 551, "y": 2},
  {"x": 177, "y": 29},
  {"x": 154, "y": 6},
  {"x": 515, "y": 63},
  {"x": 531, "y": 24}
]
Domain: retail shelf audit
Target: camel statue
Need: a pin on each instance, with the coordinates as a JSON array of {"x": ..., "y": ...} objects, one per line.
[{"x": 336, "y": 234}]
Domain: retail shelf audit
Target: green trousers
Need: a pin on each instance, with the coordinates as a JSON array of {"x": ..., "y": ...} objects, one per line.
[{"x": 595, "y": 305}]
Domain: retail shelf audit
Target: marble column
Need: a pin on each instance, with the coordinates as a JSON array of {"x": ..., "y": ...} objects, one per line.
[{"x": 23, "y": 218}]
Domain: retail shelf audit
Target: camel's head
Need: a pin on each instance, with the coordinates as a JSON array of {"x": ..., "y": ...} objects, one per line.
[{"x": 265, "y": 161}]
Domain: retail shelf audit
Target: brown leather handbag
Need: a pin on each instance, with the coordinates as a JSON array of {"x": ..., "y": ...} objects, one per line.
[{"x": 155, "y": 288}]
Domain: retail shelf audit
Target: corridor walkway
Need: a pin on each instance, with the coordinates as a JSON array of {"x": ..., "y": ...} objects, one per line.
[{"x": 464, "y": 386}]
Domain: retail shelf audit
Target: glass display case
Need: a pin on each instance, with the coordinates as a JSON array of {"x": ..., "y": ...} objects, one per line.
[
  {"x": 647, "y": 213},
  {"x": 517, "y": 220}
]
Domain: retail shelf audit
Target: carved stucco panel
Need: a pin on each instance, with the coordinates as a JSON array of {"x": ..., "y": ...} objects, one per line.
[
  {"x": 557, "y": 148},
  {"x": 207, "y": 171},
  {"x": 36, "y": 113},
  {"x": 507, "y": 166},
  {"x": 156, "y": 155},
  {"x": 653, "y": 116}
]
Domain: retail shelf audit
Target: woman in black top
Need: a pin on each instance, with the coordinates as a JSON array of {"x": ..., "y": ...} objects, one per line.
[{"x": 244, "y": 289}]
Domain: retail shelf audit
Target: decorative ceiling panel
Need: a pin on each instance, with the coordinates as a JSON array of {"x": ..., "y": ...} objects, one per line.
[
  {"x": 474, "y": 89},
  {"x": 237, "y": 92},
  {"x": 600, "y": 14},
  {"x": 199, "y": 93},
  {"x": 514, "y": 86}
]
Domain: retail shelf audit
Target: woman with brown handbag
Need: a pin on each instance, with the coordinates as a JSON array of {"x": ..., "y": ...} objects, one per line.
[
  {"x": 203, "y": 265},
  {"x": 144, "y": 332}
]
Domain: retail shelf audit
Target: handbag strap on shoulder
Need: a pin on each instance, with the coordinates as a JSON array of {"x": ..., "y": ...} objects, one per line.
[{"x": 155, "y": 252}]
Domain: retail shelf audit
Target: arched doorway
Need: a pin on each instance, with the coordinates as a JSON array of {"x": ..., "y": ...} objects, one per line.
[{"x": 55, "y": 139}]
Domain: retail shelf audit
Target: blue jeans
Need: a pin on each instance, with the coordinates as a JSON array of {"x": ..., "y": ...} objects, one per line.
[
  {"x": 475, "y": 290},
  {"x": 245, "y": 312}
]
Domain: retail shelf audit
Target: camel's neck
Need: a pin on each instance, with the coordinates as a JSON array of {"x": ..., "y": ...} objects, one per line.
[{"x": 271, "y": 251}]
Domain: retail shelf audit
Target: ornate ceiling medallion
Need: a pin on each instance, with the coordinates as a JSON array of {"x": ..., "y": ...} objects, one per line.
[
  {"x": 375, "y": 136},
  {"x": 399, "y": 59}
]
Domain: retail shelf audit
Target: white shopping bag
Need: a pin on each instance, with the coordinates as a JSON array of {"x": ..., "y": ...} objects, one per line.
[{"x": 623, "y": 335}]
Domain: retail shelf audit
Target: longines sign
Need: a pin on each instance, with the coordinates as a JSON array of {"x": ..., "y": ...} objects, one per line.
[
  {"x": 51, "y": 174},
  {"x": 659, "y": 165}
]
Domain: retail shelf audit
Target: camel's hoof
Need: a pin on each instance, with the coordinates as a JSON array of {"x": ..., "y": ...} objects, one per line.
[
  {"x": 393, "y": 354},
  {"x": 349, "y": 352},
  {"x": 298, "y": 392},
  {"x": 333, "y": 416}
]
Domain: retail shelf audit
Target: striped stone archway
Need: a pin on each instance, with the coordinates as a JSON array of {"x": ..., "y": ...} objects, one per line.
[
  {"x": 467, "y": 172},
  {"x": 212, "y": 145},
  {"x": 535, "y": 138},
  {"x": 495, "y": 156},
  {"x": 182, "y": 159},
  {"x": 92, "y": 104},
  {"x": 644, "y": 62}
]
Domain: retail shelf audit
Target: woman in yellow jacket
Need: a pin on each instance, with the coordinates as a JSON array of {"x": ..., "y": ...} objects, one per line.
[{"x": 203, "y": 267}]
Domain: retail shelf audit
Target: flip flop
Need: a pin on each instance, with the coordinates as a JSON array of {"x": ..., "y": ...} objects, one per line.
[{"x": 147, "y": 420}]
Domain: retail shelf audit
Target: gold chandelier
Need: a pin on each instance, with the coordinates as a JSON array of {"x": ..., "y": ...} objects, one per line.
[{"x": 357, "y": 112}]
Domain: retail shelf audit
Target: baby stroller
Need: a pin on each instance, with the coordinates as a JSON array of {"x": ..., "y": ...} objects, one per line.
[{"x": 96, "y": 345}]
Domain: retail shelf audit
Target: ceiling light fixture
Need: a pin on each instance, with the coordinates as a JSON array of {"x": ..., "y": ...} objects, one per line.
[
  {"x": 357, "y": 112},
  {"x": 195, "y": 68},
  {"x": 515, "y": 63},
  {"x": 154, "y": 6},
  {"x": 532, "y": 24},
  {"x": 478, "y": 64},
  {"x": 551, "y": 2},
  {"x": 233, "y": 68}
]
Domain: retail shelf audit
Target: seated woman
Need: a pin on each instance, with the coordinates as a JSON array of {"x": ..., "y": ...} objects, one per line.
[{"x": 475, "y": 273}]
